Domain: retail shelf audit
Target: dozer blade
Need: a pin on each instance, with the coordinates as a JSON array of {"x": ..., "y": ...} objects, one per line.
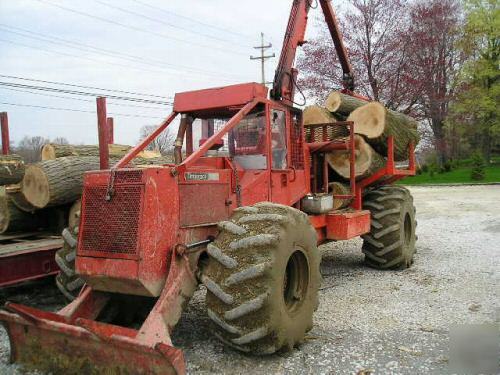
[{"x": 52, "y": 343}]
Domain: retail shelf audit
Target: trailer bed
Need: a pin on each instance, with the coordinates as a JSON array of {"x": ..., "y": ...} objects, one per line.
[{"x": 27, "y": 256}]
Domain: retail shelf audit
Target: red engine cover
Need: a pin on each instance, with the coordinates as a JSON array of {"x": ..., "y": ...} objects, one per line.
[{"x": 125, "y": 242}]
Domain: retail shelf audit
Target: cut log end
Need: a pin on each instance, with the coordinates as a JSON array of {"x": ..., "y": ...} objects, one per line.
[
  {"x": 35, "y": 186},
  {"x": 369, "y": 120},
  {"x": 48, "y": 152},
  {"x": 314, "y": 115},
  {"x": 338, "y": 188},
  {"x": 367, "y": 160},
  {"x": 333, "y": 101}
]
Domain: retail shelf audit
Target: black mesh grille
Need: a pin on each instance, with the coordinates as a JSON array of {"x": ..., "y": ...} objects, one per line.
[{"x": 111, "y": 226}]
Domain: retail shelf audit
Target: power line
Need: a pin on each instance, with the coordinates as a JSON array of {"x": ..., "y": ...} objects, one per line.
[
  {"x": 84, "y": 87},
  {"x": 135, "y": 28},
  {"x": 81, "y": 93},
  {"x": 80, "y": 100},
  {"x": 74, "y": 110},
  {"x": 225, "y": 30},
  {"x": 80, "y": 57},
  {"x": 263, "y": 57},
  {"x": 167, "y": 23},
  {"x": 114, "y": 54}
]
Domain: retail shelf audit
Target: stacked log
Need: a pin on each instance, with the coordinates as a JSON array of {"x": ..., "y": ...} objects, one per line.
[
  {"x": 11, "y": 169},
  {"x": 373, "y": 124},
  {"x": 339, "y": 188},
  {"x": 378, "y": 123},
  {"x": 367, "y": 160},
  {"x": 17, "y": 197},
  {"x": 12, "y": 219},
  {"x": 342, "y": 104},
  {"x": 39, "y": 195},
  {"x": 53, "y": 151}
]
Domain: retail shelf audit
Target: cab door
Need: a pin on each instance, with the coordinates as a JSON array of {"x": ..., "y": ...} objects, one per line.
[{"x": 287, "y": 175}]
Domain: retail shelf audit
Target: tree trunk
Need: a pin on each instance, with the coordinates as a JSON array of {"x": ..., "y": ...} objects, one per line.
[
  {"x": 367, "y": 160},
  {"x": 17, "y": 197},
  {"x": 53, "y": 151},
  {"x": 342, "y": 104},
  {"x": 56, "y": 182},
  {"x": 338, "y": 188},
  {"x": 13, "y": 219},
  {"x": 440, "y": 143},
  {"x": 377, "y": 123},
  {"x": 315, "y": 114},
  {"x": 11, "y": 169},
  {"x": 74, "y": 214}
]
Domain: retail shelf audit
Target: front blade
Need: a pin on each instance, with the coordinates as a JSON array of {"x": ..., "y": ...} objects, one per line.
[{"x": 54, "y": 346}]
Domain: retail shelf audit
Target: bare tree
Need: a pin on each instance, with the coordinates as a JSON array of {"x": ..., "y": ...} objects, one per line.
[
  {"x": 164, "y": 143},
  {"x": 60, "y": 141},
  {"x": 30, "y": 148},
  {"x": 374, "y": 34}
]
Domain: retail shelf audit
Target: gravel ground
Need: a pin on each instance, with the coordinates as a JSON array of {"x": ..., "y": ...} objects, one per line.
[{"x": 384, "y": 322}]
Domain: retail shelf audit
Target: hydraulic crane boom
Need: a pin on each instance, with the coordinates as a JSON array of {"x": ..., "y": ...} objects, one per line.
[{"x": 286, "y": 75}]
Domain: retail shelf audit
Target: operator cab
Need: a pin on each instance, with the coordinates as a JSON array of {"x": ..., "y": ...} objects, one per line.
[{"x": 263, "y": 148}]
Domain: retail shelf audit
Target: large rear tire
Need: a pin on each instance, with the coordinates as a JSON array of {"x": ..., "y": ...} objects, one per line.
[
  {"x": 67, "y": 280},
  {"x": 391, "y": 241},
  {"x": 262, "y": 278}
]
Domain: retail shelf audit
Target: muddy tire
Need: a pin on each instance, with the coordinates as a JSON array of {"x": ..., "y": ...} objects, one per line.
[
  {"x": 67, "y": 280},
  {"x": 262, "y": 278},
  {"x": 391, "y": 242}
]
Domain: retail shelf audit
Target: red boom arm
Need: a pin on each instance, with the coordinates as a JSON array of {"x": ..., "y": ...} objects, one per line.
[{"x": 286, "y": 74}]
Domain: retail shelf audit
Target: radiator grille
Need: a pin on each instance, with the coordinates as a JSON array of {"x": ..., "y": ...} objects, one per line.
[
  {"x": 111, "y": 226},
  {"x": 130, "y": 176}
]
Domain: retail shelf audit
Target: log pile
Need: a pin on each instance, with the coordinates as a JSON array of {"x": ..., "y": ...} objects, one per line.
[
  {"x": 373, "y": 125},
  {"x": 39, "y": 196},
  {"x": 11, "y": 169}
]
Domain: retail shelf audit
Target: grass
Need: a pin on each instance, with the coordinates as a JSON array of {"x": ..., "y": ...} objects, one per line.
[{"x": 459, "y": 175}]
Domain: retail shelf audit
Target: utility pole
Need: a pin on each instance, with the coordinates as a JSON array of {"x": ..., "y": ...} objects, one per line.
[{"x": 263, "y": 57}]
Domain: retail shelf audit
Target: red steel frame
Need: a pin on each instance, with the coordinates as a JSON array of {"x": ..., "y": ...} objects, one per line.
[
  {"x": 28, "y": 264},
  {"x": 33, "y": 261},
  {"x": 4, "y": 121}
]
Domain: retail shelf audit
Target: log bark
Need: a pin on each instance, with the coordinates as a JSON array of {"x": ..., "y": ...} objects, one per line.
[
  {"x": 367, "y": 160},
  {"x": 53, "y": 151},
  {"x": 342, "y": 104},
  {"x": 315, "y": 114},
  {"x": 11, "y": 169},
  {"x": 13, "y": 219},
  {"x": 378, "y": 123},
  {"x": 56, "y": 182},
  {"x": 338, "y": 188}
]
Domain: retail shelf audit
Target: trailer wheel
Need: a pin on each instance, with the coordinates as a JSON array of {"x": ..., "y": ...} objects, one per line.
[
  {"x": 67, "y": 280},
  {"x": 262, "y": 278},
  {"x": 391, "y": 242}
]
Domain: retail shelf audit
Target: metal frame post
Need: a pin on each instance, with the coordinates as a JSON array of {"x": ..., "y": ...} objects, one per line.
[
  {"x": 103, "y": 133},
  {"x": 4, "y": 120}
]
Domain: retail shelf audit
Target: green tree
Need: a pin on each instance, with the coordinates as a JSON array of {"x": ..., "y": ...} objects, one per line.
[
  {"x": 476, "y": 106},
  {"x": 478, "y": 167}
]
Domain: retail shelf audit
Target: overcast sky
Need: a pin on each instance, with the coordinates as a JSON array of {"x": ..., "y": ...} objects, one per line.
[{"x": 165, "y": 47}]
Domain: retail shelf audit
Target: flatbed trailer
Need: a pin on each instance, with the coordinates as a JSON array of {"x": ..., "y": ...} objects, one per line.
[{"x": 27, "y": 256}]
